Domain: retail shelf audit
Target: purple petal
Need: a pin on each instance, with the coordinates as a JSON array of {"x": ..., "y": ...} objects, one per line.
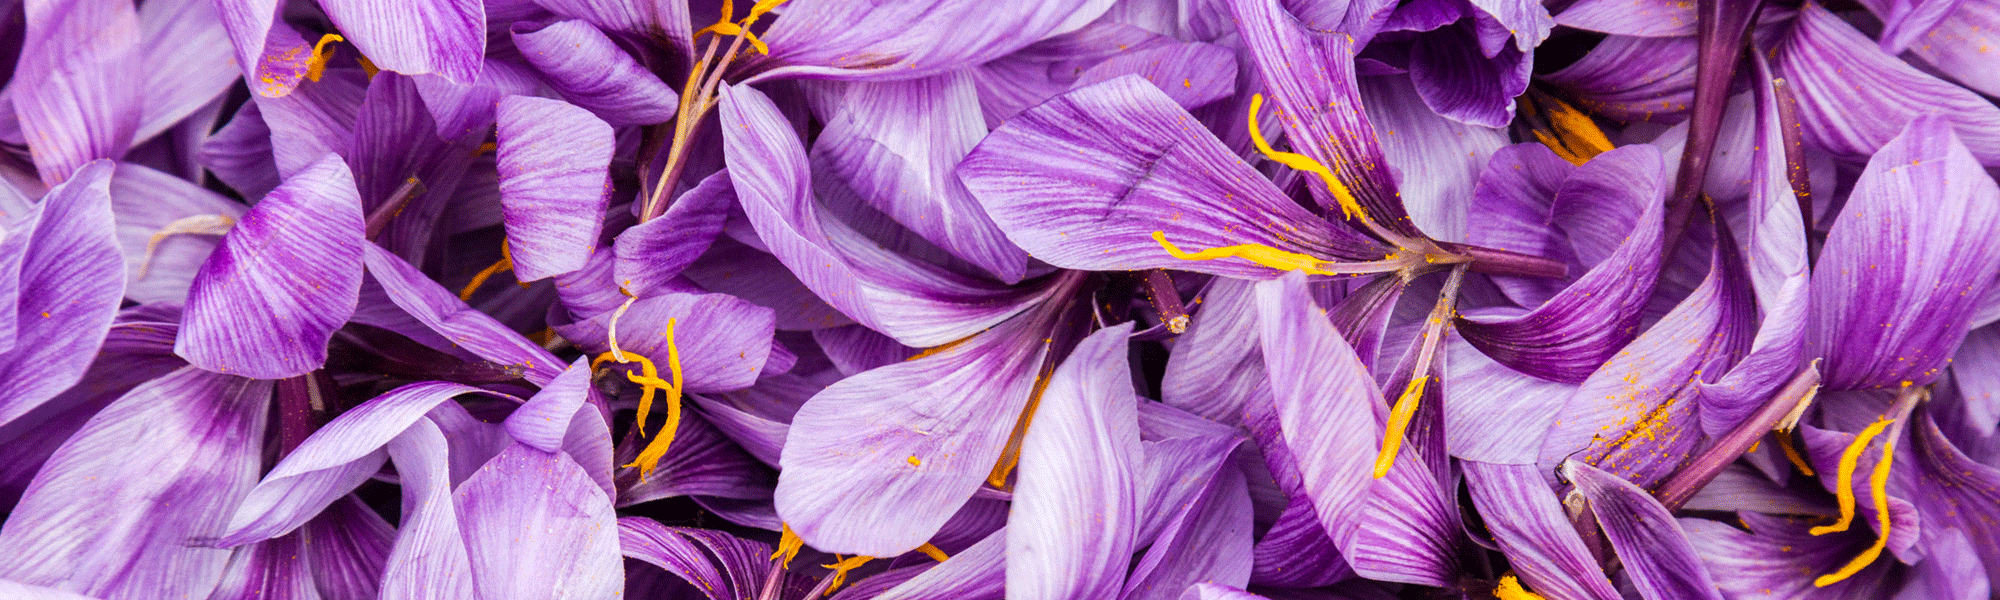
[
  {"x": 554, "y": 183},
  {"x": 1567, "y": 338},
  {"x": 976, "y": 573},
  {"x": 1779, "y": 558},
  {"x": 1885, "y": 311},
  {"x": 1951, "y": 571},
  {"x": 446, "y": 37},
  {"x": 1193, "y": 74},
  {"x": 350, "y": 546},
  {"x": 1437, "y": 160},
  {"x": 1075, "y": 508},
  {"x": 535, "y": 526},
  {"x": 187, "y": 62},
  {"x": 636, "y": 17},
  {"x": 730, "y": 267},
  {"x": 94, "y": 519},
  {"x": 1959, "y": 42},
  {"x": 1459, "y": 83},
  {"x": 1633, "y": 79},
  {"x": 146, "y": 202},
  {"x": 1210, "y": 591},
  {"x": 462, "y": 109},
  {"x": 543, "y": 422},
  {"x": 915, "y": 303},
  {"x": 1215, "y": 367},
  {"x": 1853, "y": 97},
  {"x": 892, "y": 145},
  {"x": 396, "y": 140},
  {"x": 654, "y": 252},
  {"x": 702, "y": 462},
  {"x": 448, "y": 316},
  {"x": 853, "y": 348},
  {"x": 429, "y": 559},
  {"x": 1529, "y": 524},
  {"x": 686, "y": 553},
  {"x": 1655, "y": 550},
  {"x": 1955, "y": 491},
  {"x": 268, "y": 299},
  {"x": 71, "y": 97},
  {"x": 1497, "y": 415},
  {"x": 906, "y": 39},
  {"x": 1210, "y": 542},
  {"x": 588, "y": 69},
  {"x": 240, "y": 154},
  {"x": 272, "y": 54},
  {"x": 1640, "y": 18},
  {"x": 317, "y": 119},
  {"x": 66, "y": 293},
  {"x": 723, "y": 341},
  {"x": 1083, "y": 181},
  {"x": 848, "y": 481}
]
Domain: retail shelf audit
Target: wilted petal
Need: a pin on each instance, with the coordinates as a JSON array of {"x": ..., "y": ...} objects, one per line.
[
  {"x": 1540, "y": 542},
  {"x": 1075, "y": 510},
  {"x": 1898, "y": 281},
  {"x": 1655, "y": 550},
  {"x": 167, "y": 461},
  {"x": 918, "y": 304},
  {"x": 535, "y": 526},
  {"x": 1853, "y": 97},
  {"x": 554, "y": 183},
  {"x": 268, "y": 299},
  {"x": 429, "y": 559},
  {"x": 892, "y": 145},
  {"x": 588, "y": 69},
  {"x": 905, "y": 39},
  {"x": 1083, "y": 181},
  {"x": 71, "y": 94},
  {"x": 66, "y": 292},
  {"x": 447, "y": 37}
]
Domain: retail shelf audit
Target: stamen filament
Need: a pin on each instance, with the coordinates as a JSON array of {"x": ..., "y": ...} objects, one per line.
[
  {"x": 1848, "y": 461},
  {"x": 1348, "y": 206},
  {"x": 478, "y": 279},
  {"x": 1878, "y": 484}
]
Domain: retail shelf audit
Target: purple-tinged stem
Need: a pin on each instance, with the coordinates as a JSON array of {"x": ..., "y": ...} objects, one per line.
[
  {"x": 1782, "y": 409},
  {"x": 1723, "y": 27},
  {"x": 1494, "y": 261},
  {"x": 379, "y": 220},
  {"x": 303, "y": 403}
]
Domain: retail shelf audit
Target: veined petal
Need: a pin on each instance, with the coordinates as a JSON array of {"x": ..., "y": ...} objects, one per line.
[
  {"x": 1958, "y": 43},
  {"x": 636, "y": 17},
  {"x": 651, "y": 253},
  {"x": 1193, "y": 74},
  {"x": 93, "y": 520},
  {"x": 239, "y": 154},
  {"x": 268, "y": 299},
  {"x": 723, "y": 342},
  {"x": 1568, "y": 337},
  {"x": 314, "y": 120},
  {"x": 543, "y": 422},
  {"x": 65, "y": 294},
  {"x": 166, "y": 229},
  {"x": 976, "y": 573},
  {"x": 554, "y": 162},
  {"x": 396, "y": 140},
  {"x": 588, "y": 69},
  {"x": 1954, "y": 491},
  {"x": 1631, "y": 78},
  {"x": 187, "y": 62},
  {"x": 271, "y": 53},
  {"x": 916, "y": 303},
  {"x": 1655, "y": 550},
  {"x": 444, "y": 313},
  {"x": 1437, "y": 161},
  {"x": 1853, "y": 97},
  {"x": 685, "y": 552},
  {"x": 1457, "y": 81},
  {"x": 1885, "y": 311},
  {"x": 1208, "y": 542},
  {"x": 447, "y": 37},
  {"x": 1540, "y": 542},
  {"x": 704, "y": 461},
  {"x": 1638, "y": 18},
  {"x": 463, "y": 109},
  {"x": 1215, "y": 366},
  {"x": 731, "y": 267},
  {"x": 1076, "y": 508},
  {"x": 1084, "y": 180},
  {"x": 429, "y": 559},
  {"x": 70, "y": 94},
  {"x": 892, "y": 145},
  {"x": 1495, "y": 414},
  {"x": 536, "y": 526},
  {"x": 1778, "y": 557},
  {"x": 1514, "y": 199},
  {"x": 906, "y": 39}
]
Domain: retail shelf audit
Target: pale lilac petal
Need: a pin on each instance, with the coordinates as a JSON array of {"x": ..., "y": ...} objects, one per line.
[
  {"x": 1210, "y": 591},
  {"x": 447, "y": 37},
  {"x": 892, "y": 145},
  {"x": 686, "y": 552},
  {"x": 1655, "y": 550},
  {"x": 314, "y": 120},
  {"x": 146, "y": 202},
  {"x": 239, "y": 154},
  {"x": 1437, "y": 161},
  {"x": 268, "y": 299},
  {"x": 462, "y": 109},
  {"x": 23, "y": 591},
  {"x": 554, "y": 183},
  {"x": 731, "y": 267},
  {"x": 1959, "y": 44},
  {"x": 1898, "y": 281},
  {"x": 67, "y": 290},
  {"x": 187, "y": 62},
  {"x": 918, "y": 304},
  {"x": 1528, "y": 522},
  {"x": 1955, "y": 491},
  {"x": 445, "y": 314},
  {"x": 905, "y": 39},
  {"x": 1215, "y": 366},
  {"x": 271, "y": 53},
  {"x": 1495, "y": 414},
  {"x": 429, "y": 559},
  {"x": 544, "y": 421},
  {"x": 1853, "y": 97},
  {"x": 654, "y": 252},
  {"x": 1209, "y": 543},
  {"x": 1075, "y": 511},
  {"x": 588, "y": 69},
  {"x": 70, "y": 92},
  {"x": 168, "y": 461},
  {"x": 1194, "y": 74},
  {"x": 536, "y": 526},
  {"x": 976, "y": 573}
]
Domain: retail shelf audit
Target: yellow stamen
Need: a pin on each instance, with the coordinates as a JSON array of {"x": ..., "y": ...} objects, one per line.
[
  {"x": 1510, "y": 588},
  {"x": 1848, "y": 460},
  {"x": 1576, "y": 138},
  {"x": 195, "y": 225},
  {"x": 1878, "y": 484},
  {"x": 937, "y": 349},
  {"x": 742, "y": 30},
  {"x": 1260, "y": 254},
  {"x": 788, "y": 545},
  {"x": 649, "y": 381},
  {"x": 1011, "y": 456},
  {"x": 478, "y": 279},
  {"x": 841, "y": 568},
  {"x": 368, "y": 67},
  {"x": 1348, "y": 206},
  {"x": 933, "y": 552},
  {"x": 316, "y": 66},
  {"x": 1792, "y": 453},
  {"x": 1399, "y": 422}
]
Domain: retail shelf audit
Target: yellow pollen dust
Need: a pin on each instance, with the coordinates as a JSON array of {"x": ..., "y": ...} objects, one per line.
[
  {"x": 788, "y": 545},
  {"x": 914, "y": 461},
  {"x": 1399, "y": 422},
  {"x": 316, "y": 66},
  {"x": 478, "y": 279},
  {"x": 1848, "y": 461},
  {"x": 1878, "y": 484},
  {"x": 649, "y": 382},
  {"x": 1256, "y": 253},
  {"x": 1348, "y": 206},
  {"x": 841, "y": 568},
  {"x": 195, "y": 225},
  {"x": 932, "y": 551},
  {"x": 742, "y": 30},
  {"x": 1510, "y": 588}
]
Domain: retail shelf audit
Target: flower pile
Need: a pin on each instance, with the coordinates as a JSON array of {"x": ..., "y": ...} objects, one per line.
[{"x": 977, "y": 299}]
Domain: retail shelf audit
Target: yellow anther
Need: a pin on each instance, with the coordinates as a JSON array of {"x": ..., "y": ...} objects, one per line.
[
  {"x": 1510, "y": 588},
  {"x": 195, "y": 225},
  {"x": 1575, "y": 137},
  {"x": 1792, "y": 453},
  {"x": 841, "y": 568},
  {"x": 742, "y": 29},
  {"x": 933, "y": 552},
  {"x": 1878, "y": 484},
  {"x": 788, "y": 545},
  {"x": 1848, "y": 460},
  {"x": 478, "y": 279},
  {"x": 316, "y": 66},
  {"x": 1399, "y": 421},
  {"x": 649, "y": 381},
  {"x": 1348, "y": 206},
  {"x": 368, "y": 67},
  {"x": 1256, "y": 253}
]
